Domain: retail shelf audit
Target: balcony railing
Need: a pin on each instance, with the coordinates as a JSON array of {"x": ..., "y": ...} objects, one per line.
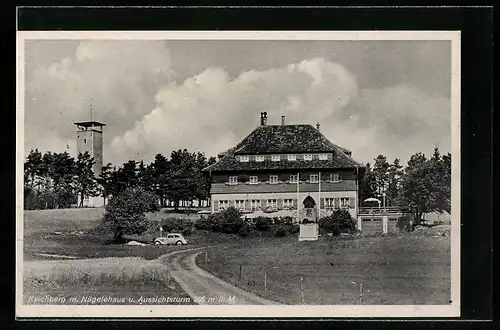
[{"x": 380, "y": 210}]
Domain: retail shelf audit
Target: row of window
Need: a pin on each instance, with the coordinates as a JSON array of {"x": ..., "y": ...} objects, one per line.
[
  {"x": 313, "y": 178},
  {"x": 277, "y": 158},
  {"x": 256, "y": 204}
]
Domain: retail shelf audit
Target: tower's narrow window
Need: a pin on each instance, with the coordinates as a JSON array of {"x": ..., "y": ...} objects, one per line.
[{"x": 84, "y": 140}]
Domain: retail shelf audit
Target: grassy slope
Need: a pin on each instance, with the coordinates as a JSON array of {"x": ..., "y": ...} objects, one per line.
[
  {"x": 393, "y": 270},
  {"x": 406, "y": 270},
  {"x": 116, "y": 273},
  {"x": 41, "y": 227}
]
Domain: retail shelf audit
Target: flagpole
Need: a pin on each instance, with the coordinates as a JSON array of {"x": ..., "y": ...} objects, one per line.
[
  {"x": 319, "y": 194},
  {"x": 298, "y": 180}
]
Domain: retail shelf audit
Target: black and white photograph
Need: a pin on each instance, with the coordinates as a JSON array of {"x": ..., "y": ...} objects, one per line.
[{"x": 216, "y": 174}]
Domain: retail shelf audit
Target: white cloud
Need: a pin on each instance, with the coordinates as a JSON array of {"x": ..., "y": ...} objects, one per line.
[
  {"x": 118, "y": 77},
  {"x": 146, "y": 112},
  {"x": 398, "y": 121},
  {"x": 211, "y": 112}
]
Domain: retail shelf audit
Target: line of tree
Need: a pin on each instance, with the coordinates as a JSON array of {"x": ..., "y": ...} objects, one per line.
[
  {"x": 423, "y": 186},
  {"x": 56, "y": 180}
]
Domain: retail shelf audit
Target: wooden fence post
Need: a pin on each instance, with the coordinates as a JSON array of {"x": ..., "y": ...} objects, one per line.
[
  {"x": 169, "y": 279},
  {"x": 265, "y": 282},
  {"x": 302, "y": 289},
  {"x": 361, "y": 293},
  {"x": 240, "y": 272}
]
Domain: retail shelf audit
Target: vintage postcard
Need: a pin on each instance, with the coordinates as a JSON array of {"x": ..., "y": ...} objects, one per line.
[{"x": 238, "y": 174}]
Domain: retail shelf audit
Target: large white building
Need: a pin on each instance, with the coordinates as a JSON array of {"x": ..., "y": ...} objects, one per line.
[{"x": 286, "y": 170}]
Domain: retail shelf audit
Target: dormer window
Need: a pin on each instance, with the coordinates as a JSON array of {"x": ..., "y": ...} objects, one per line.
[
  {"x": 259, "y": 158},
  {"x": 223, "y": 204},
  {"x": 244, "y": 158},
  {"x": 275, "y": 158},
  {"x": 323, "y": 156},
  {"x": 308, "y": 157},
  {"x": 292, "y": 157},
  {"x": 273, "y": 179}
]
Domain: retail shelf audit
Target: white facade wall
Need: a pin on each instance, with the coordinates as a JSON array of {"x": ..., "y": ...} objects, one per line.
[
  {"x": 92, "y": 201},
  {"x": 301, "y": 196}
]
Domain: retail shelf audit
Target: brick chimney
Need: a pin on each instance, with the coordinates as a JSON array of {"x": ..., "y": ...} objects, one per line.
[
  {"x": 263, "y": 118},
  {"x": 282, "y": 120}
]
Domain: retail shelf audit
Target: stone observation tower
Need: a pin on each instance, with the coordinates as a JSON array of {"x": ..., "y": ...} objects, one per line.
[{"x": 89, "y": 138}]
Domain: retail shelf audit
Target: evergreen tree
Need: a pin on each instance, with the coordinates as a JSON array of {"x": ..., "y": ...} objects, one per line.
[
  {"x": 182, "y": 184},
  {"x": 105, "y": 180},
  {"x": 145, "y": 177},
  {"x": 417, "y": 186},
  {"x": 367, "y": 185},
  {"x": 440, "y": 173},
  {"x": 63, "y": 171},
  {"x": 160, "y": 169},
  {"x": 202, "y": 180},
  {"x": 381, "y": 173},
  {"x": 85, "y": 181},
  {"x": 445, "y": 182},
  {"x": 33, "y": 167},
  {"x": 128, "y": 173},
  {"x": 394, "y": 183},
  {"x": 118, "y": 184}
]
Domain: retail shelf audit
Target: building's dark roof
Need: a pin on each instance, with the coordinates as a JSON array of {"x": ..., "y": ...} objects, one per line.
[
  {"x": 275, "y": 139},
  {"x": 221, "y": 154},
  {"x": 89, "y": 123},
  {"x": 284, "y": 139}
]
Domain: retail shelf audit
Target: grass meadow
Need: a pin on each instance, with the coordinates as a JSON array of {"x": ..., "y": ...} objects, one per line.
[
  {"x": 77, "y": 281},
  {"x": 75, "y": 233},
  {"x": 96, "y": 269},
  {"x": 397, "y": 269},
  {"x": 392, "y": 270}
]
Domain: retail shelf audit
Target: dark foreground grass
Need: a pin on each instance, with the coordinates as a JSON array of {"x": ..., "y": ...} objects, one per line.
[
  {"x": 101, "y": 273},
  {"x": 392, "y": 270},
  {"x": 128, "y": 281}
]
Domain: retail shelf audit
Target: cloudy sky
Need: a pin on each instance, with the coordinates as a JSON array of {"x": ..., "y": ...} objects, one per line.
[{"x": 372, "y": 97}]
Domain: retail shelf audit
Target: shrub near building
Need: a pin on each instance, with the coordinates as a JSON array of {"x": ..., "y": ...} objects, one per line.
[
  {"x": 228, "y": 221},
  {"x": 244, "y": 231},
  {"x": 174, "y": 225},
  {"x": 262, "y": 224},
  {"x": 281, "y": 232},
  {"x": 340, "y": 221}
]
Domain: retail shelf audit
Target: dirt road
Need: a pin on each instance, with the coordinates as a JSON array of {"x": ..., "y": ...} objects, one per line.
[{"x": 203, "y": 287}]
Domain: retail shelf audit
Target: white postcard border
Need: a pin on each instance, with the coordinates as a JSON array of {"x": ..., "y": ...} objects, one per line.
[{"x": 199, "y": 311}]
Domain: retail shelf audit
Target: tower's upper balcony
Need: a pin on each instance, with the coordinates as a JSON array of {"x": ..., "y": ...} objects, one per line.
[{"x": 90, "y": 125}]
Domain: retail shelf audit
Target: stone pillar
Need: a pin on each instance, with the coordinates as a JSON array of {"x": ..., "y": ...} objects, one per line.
[
  {"x": 385, "y": 224},
  {"x": 308, "y": 232}
]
